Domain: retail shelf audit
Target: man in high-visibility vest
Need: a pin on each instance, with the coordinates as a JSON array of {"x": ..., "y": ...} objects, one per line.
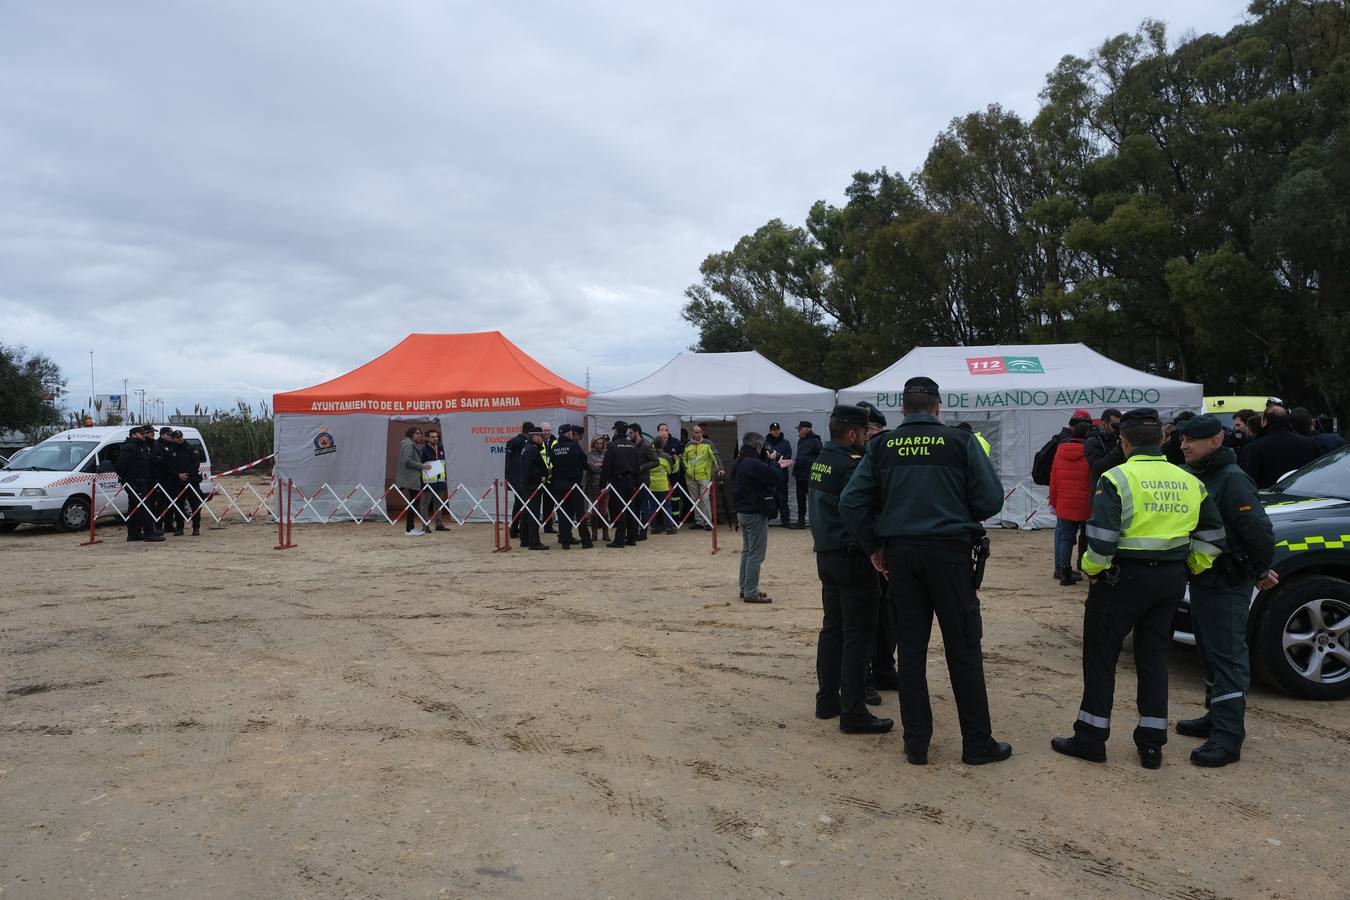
[{"x": 1152, "y": 522}]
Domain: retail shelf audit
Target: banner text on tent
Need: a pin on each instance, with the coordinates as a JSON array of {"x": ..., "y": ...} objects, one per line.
[
  {"x": 1014, "y": 399},
  {"x": 419, "y": 406}
]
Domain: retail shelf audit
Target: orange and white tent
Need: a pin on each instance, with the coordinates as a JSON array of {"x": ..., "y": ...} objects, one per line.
[{"x": 475, "y": 388}]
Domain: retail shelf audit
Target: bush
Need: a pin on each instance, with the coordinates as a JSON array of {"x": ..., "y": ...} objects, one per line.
[{"x": 238, "y": 437}]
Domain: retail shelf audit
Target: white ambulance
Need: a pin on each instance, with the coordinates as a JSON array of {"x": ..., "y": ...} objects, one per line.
[{"x": 50, "y": 483}]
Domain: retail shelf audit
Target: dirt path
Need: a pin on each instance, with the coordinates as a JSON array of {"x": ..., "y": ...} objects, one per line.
[{"x": 371, "y": 715}]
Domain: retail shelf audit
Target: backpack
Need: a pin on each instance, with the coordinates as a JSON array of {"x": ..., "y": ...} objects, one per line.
[{"x": 1044, "y": 461}]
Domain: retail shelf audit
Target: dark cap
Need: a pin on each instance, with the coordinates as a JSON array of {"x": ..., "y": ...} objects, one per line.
[
  {"x": 1200, "y": 427},
  {"x": 620, "y": 425},
  {"x": 165, "y": 430},
  {"x": 177, "y": 433},
  {"x": 849, "y": 415},
  {"x": 147, "y": 429},
  {"x": 528, "y": 428},
  {"x": 874, "y": 416},
  {"x": 133, "y": 431},
  {"x": 922, "y": 384},
  {"x": 804, "y": 424},
  {"x": 1143, "y": 416},
  {"x": 774, "y": 426},
  {"x": 533, "y": 430}
]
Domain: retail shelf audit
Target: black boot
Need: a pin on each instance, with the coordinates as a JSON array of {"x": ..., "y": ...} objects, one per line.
[
  {"x": 1071, "y": 746},
  {"x": 1200, "y": 727},
  {"x": 1066, "y": 578},
  {"x": 1213, "y": 755}
]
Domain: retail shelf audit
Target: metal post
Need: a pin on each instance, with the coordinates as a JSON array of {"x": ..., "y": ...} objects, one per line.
[{"x": 713, "y": 503}]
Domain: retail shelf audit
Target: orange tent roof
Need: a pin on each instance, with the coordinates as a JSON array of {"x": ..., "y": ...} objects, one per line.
[{"x": 426, "y": 373}]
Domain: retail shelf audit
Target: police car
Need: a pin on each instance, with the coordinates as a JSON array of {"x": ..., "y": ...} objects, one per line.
[
  {"x": 50, "y": 483},
  {"x": 1299, "y": 632}
]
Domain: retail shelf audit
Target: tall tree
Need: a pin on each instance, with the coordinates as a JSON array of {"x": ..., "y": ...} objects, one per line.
[{"x": 30, "y": 388}]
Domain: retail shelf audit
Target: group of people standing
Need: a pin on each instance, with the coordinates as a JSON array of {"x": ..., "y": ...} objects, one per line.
[{"x": 162, "y": 479}]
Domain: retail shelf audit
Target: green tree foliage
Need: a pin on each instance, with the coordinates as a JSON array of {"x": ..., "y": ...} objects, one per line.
[
  {"x": 1184, "y": 209},
  {"x": 31, "y": 386}
]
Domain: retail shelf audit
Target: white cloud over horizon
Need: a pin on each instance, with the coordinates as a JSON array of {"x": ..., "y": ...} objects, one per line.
[{"x": 227, "y": 200}]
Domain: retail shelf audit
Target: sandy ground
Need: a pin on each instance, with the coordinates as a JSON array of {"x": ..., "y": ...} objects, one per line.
[{"x": 369, "y": 715}]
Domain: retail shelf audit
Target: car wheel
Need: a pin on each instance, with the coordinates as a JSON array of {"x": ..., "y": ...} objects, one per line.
[
  {"x": 1303, "y": 640},
  {"x": 8, "y": 526},
  {"x": 74, "y": 515}
]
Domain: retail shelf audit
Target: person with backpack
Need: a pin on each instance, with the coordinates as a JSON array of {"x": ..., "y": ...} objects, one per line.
[
  {"x": 1071, "y": 496},
  {"x": 1044, "y": 460}
]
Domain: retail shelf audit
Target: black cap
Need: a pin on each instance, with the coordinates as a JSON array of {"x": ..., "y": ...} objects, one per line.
[
  {"x": 165, "y": 430},
  {"x": 177, "y": 433},
  {"x": 133, "y": 431},
  {"x": 528, "y": 428},
  {"x": 534, "y": 429},
  {"x": 922, "y": 384},
  {"x": 849, "y": 415},
  {"x": 620, "y": 425},
  {"x": 874, "y": 416},
  {"x": 1200, "y": 427},
  {"x": 804, "y": 424},
  {"x": 1143, "y": 416},
  {"x": 774, "y": 426}
]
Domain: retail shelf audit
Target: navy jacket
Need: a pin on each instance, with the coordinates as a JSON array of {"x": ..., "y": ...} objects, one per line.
[
  {"x": 808, "y": 451},
  {"x": 752, "y": 479}
]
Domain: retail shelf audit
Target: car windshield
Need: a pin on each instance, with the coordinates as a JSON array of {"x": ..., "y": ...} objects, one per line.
[
  {"x": 51, "y": 456},
  {"x": 1327, "y": 476}
]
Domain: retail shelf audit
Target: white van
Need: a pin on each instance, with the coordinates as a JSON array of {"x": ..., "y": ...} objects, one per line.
[{"x": 50, "y": 483}]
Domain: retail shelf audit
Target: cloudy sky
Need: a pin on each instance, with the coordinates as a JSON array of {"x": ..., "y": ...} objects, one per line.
[{"x": 227, "y": 199}]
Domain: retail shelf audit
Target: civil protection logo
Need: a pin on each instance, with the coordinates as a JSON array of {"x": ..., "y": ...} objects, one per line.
[
  {"x": 324, "y": 442},
  {"x": 1024, "y": 365}
]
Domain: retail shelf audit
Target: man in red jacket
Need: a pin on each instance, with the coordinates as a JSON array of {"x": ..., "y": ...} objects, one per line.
[{"x": 1071, "y": 496}]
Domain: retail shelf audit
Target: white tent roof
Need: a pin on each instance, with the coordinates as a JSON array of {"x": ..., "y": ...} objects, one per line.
[
  {"x": 1027, "y": 376},
  {"x": 713, "y": 384}
]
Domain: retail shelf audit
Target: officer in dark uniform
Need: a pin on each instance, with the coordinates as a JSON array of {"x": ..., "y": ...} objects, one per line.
[
  {"x": 533, "y": 474},
  {"x": 514, "y": 481},
  {"x": 619, "y": 472},
  {"x": 1221, "y": 597},
  {"x": 881, "y": 670},
  {"x": 136, "y": 471},
  {"x": 161, "y": 453},
  {"x": 849, "y": 589},
  {"x": 187, "y": 467},
  {"x": 916, "y": 503},
  {"x": 568, "y": 480},
  {"x": 1151, "y": 522}
]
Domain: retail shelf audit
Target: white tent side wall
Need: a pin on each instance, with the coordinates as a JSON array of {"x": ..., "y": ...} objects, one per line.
[
  {"x": 474, "y": 453},
  {"x": 1018, "y": 411}
]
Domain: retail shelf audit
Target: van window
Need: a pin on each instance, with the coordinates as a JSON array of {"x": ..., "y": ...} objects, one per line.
[
  {"x": 52, "y": 456},
  {"x": 107, "y": 458},
  {"x": 197, "y": 448}
]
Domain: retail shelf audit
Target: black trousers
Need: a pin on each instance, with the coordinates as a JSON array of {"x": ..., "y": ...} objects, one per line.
[
  {"x": 572, "y": 509},
  {"x": 1144, "y": 600},
  {"x": 140, "y": 520},
  {"x": 851, "y": 596},
  {"x": 780, "y": 493},
  {"x": 625, "y": 521},
  {"x": 884, "y": 643},
  {"x": 929, "y": 578},
  {"x": 803, "y": 486},
  {"x": 187, "y": 504},
  {"x": 517, "y": 505},
  {"x": 529, "y": 528}
]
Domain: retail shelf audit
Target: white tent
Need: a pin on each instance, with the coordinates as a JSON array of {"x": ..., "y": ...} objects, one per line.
[
  {"x": 1017, "y": 397},
  {"x": 716, "y": 387}
]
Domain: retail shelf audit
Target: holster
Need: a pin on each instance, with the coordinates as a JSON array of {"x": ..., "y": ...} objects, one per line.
[{"x": 979, "y": 555}]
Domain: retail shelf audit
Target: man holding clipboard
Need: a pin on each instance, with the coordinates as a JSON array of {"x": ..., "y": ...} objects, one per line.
[{"x": 433, "y": 452}]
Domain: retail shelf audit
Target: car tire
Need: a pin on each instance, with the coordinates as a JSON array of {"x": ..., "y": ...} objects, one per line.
[
  {"x": 8, "y": 526},
  {"x": 74, "y": 515},
  {"x": 1298, "y": 634}
]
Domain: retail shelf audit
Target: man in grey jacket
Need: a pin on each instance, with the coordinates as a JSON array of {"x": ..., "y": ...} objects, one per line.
[{"x": 408, "y": 478}]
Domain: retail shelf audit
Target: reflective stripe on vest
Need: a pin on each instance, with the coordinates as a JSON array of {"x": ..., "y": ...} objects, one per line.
[{"x": 1159, "y": 504}]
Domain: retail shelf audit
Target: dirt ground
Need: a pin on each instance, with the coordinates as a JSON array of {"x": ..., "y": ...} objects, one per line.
[{"x": 369, "y": 715}]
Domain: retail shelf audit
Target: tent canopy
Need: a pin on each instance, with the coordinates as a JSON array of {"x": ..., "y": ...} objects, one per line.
[
  {"x": 1018, "y": 397},
  {"x": 439, "y": 373},
  {"x": 1027, "y": 376},
  {"x": 713, "y": 384}
]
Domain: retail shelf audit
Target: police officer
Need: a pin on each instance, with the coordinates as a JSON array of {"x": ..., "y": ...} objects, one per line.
[
  {"x": 881, "y": 671},
  {"x": 568, "y": 480},
  {"x": 187, "y": 467},
  {"x": 514, "y": 479},
  {"x": 1151, "y": 521},
  {"x": 161, "y": 499},
  {"x": 849, "y": 589},
  {"x": 1220, "y": 597},
  {"x": 619, "y": 474},
  {"x": 533, "y": 473},
  {"x": 915, "y": 504},
  {"x": 548, "y": 502},
  {"x": 779, "y": 444},
  {"x": 136, "y": 471}
]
